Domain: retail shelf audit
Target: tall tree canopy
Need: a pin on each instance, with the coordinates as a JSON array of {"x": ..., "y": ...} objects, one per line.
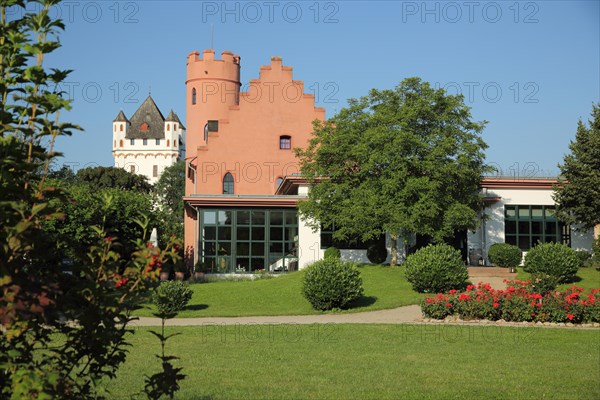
[
  {"x": 62, "y": 336},
  {"x": 578, "y": 201},
  {"x": 169, "y": 191},
  {"x": 402, "y": 161},
  {"x": 113, "y": 177}
]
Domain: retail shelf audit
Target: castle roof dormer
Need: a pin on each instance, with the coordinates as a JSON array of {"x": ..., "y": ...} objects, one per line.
[
  {"x": 147, "y": 122},
  {"x": 172, "y": 117},
  {"x": 121, "y": 117}
]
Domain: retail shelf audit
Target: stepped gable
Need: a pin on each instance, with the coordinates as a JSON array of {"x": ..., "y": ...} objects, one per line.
[{"x": 147, "y": 122}]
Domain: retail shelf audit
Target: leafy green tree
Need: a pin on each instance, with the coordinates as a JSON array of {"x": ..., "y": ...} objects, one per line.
[
  {"x": 62, "y": 334},
  {"x": 577, "y": 195},
  {"x": 112, "y": 177},
  {"x": 64, "y": 174},
  {"x": 117, "y": 210},
  {"x": 169, "y": 192},
  {"x": 402, "y": 161}
]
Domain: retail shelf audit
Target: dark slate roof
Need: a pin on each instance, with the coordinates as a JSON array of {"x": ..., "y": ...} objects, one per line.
[
  {"x": 121, "y": 117},
  {"x": 148, "y": 114},
  {"x": 172, "y": 117}
]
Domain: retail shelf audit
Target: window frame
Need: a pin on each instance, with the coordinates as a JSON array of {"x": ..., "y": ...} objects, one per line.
[
  {"x": 228, "y": 184},
  {"x": 524, "y": 230},
  {"x": 285, "y": 142}
]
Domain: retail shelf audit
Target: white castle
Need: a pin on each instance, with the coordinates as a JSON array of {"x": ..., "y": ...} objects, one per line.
[{"x": 149, "y": 142}]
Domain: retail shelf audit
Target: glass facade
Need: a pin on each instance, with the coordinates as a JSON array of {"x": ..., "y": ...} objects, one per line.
[
  {"x": 525, "y": 226},
  {"x": 248, "y": 240}
]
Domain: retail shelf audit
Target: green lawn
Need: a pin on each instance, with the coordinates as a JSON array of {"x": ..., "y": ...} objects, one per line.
[
  {"x": 384, "y": 287},
  {"x": 587, "y": 278},
  {"x": 371, "y": 362}
]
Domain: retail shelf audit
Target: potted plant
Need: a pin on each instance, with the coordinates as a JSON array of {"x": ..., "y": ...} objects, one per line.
[
  {"x": 199, "y": 269},
  {"x": 164, "y": 274},
  {"x": 180, "y": 270}
]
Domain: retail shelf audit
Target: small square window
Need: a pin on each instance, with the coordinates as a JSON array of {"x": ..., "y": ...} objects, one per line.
[
  {"x": 285, "y": 142},
  {"x": 132, "y": 142},
  {"x": 154, "y": 171},
  {"x": 158, "y": 142},
  {"x": 145, "y": 142}
]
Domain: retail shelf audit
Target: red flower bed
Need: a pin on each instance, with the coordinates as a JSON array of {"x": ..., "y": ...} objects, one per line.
[{"x": 516, "y": 303}]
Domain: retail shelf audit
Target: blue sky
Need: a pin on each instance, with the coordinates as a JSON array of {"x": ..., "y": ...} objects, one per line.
[{"x": 530, "y": 68}]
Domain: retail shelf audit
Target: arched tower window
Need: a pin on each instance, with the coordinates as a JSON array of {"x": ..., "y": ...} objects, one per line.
[
  {"x": 168, "y": 143},
  {"x": 194, "y": 96},
  {"x": 228, "y": 183},
  {"x": 168, "y": 127},
  {"x": 285, "y": 142},
  {"x": 121, "y": 127},
  {"x": 121, "y": 143},
  {"x": 175, "y": 143}
]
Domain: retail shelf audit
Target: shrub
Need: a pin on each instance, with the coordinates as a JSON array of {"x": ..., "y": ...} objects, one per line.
[
  {"x": 330, "y": 283},
  {"x": 542, "y": 283},
  {"x": 505, "y": 255},
  {"x": 517, "y": 303},
  {"x": 333, "y": 252},
  {"x": 436, "y": 268},
  {"x": 554, "y": 259},
  {"x": 170, "y": 297},
  {"x": 583, "y": 256},
  {"x": 377, "y": 253}
]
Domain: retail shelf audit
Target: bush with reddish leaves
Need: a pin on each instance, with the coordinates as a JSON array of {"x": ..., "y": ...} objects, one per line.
[{"x": 517, "y": 303}]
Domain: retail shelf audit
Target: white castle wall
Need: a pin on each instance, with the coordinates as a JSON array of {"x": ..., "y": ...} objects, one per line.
[{"x": 142, "y": 157}]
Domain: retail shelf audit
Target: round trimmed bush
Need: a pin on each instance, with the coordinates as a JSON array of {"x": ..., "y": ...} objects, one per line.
[
  {"x": 436, "y": 268},
  {"x": 330, "y": 283},
  {"x": 505, "y": 255},
  {"x": 170, "y": 297},
  {"x": 333, "y": 252},
  {"x": 377, "y": 253},
  {"x": 555, "y": 259}
]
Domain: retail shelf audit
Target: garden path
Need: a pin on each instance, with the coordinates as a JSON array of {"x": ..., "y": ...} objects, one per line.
[{"x": 400, "y": 315}]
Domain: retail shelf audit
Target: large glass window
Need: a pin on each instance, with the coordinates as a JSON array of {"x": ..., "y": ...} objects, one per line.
[
  {"x": 228, "y": 184},
  {"x": 247, "y": 240},
  {"x": 525, "y": 226}
]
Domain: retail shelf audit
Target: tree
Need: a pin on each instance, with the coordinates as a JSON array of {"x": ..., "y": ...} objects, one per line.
[
  {"x": 401, "y": 161},
  {"x": 169, "y": 191},
  {"x": 62, "y": 334},
  {"x": 577, "y": 194},
  {"x": 116, "y": 209},
  {"x": 112, "y": 177}
]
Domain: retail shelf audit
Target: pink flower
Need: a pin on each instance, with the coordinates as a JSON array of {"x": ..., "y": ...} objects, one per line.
[
  {"x": 570, "y": 317},
  {"x": 496, "y": 305},
  {"x": 448, "y": 304}
]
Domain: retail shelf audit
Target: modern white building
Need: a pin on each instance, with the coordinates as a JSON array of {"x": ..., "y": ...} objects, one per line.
[
  {"x": 517, "y": 211},
  {"x": 148, "y": 143}
]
